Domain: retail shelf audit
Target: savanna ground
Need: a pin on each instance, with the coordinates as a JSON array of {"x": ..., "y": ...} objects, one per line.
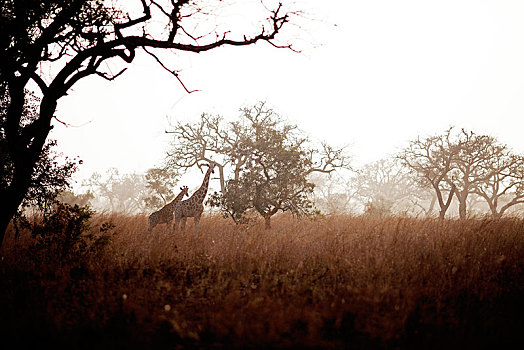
[{"x": 334, "y": 282}]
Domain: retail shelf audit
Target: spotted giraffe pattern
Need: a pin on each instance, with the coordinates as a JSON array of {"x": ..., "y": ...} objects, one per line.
[
  {"x": 165, "y": 215},
  {"x": 193, "y": 206}
]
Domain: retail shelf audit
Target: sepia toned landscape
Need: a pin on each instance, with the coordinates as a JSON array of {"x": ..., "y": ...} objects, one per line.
[
  {"x": 334, "y": 282},
  {"x": 261, "y": 174}
]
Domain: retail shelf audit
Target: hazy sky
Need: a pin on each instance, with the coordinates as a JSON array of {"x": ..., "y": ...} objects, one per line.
[{"x": 374, "y": 74}]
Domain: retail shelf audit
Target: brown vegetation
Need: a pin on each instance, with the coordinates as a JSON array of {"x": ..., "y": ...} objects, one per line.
[{"x": 356, "y": 282}]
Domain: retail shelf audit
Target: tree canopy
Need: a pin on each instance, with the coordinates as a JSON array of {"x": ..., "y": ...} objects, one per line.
[
  {"x": 264, "y": 162},
  {"x": 72, "y": 39}
]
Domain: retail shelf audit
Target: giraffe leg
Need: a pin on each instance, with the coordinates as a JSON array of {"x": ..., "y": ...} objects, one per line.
[
  {"x": 184, "y": 219},
  {"x": 175, "y": 225},
  {"x": 197, "y": 220}
]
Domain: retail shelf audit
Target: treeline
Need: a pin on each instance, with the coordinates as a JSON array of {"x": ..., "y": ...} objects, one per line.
[{"x": 267, "y": 165}]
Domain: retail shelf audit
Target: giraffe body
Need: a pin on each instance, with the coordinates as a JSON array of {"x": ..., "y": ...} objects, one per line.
[
  {"x": 165, "y": 215},
  {"x": 193, "y": 206}
]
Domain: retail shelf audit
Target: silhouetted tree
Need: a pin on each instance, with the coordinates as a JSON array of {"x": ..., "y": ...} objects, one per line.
[
  {"x": 72, "y": 39},
  {"x": 52, "y": 171}
]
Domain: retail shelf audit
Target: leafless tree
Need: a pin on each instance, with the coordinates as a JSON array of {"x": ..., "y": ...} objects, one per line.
[
  {"x": 431, "y": 161},
  {"x": 504, "y": 188},
  {"x": 470, "y": 168}
]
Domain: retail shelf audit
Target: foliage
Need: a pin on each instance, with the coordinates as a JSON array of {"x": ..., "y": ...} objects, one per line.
[
  {"x": 123, "y": 193},
  {"x": 60, "y": 234},
  {"x": 80, "y": 199},
  {"x": 269, "y": 161},
  {"x": 52, "y": 45},
  {"x": 52, "y": 172},
  {"x": 159, "y": 183}
]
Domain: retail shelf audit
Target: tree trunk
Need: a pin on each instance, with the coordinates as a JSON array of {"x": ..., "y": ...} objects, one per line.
[
  {"x": 25, "y": 147},
  {"x": 462, "y": 197},
  {"x": 12, "y": 197},
  {"x": 444, "y": 206}
]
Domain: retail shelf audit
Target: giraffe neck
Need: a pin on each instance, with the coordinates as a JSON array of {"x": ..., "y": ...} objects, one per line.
[
  {"x": 176, "y": 200},
  {"x": 199, "y": 195}
]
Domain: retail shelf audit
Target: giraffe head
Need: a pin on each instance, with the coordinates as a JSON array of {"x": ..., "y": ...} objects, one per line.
[
  {"x": 211, "y": 166},
  {"x": 185, "y": 190}
]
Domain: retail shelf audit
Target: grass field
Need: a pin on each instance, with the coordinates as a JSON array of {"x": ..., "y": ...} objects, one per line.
[{"x": 335, "y": 282}]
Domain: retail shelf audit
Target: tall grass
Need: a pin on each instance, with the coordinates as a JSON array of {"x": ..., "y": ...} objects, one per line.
[{"x": 358, "y": 282}]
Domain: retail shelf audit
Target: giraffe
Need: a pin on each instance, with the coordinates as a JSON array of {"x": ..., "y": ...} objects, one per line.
[
  {"x": 165, "y": 215},
  {"x": 193, "y": 206}
]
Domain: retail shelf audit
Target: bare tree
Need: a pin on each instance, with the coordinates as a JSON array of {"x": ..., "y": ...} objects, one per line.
[
  {"x": 431, "y": 161},
  {"x": 470, "y": 168},
  {"x": 504, "y": 188},
  {"x": 73, "y": 38}
]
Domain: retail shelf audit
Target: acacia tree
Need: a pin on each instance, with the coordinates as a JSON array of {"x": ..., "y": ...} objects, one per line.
[
  {"x": 431, "y": 160},
  {"x": 72, "y": 39},
  {"x": 504, "y": 188},
  {"x": 268, "y": 161},
  {"x": 467, "y": 164},
  {"x": 470, "y": 165}
]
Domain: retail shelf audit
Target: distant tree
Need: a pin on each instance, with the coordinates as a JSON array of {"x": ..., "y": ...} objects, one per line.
[
  {"x": 334, "y": 194},
  {"x": 383, "y": 186},
  {"x": 55, "y": 44},
  {"x": 431, "y": 160},
  {"x": 504, "y": 186},
  {"x": 79, "y": 199},
  {"x": 470, "y": 165},
  {"x": 466, "y": 164},
  {"x": 125, "y": 193},
  {"x": 161, "y": 184},
  {"x": 268, "y": 160}
]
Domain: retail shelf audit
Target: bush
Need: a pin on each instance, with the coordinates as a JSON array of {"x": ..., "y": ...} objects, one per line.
[{"x": 62, "y": 233}]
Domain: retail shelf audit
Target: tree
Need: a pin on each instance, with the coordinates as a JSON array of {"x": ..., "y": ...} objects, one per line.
[
  {"x": 504, "y": 187},
  {"x": 334, "y": 194},
  {"x": 381, "y": 186},
  {"x": 465, "y": 163},
  {"x": 72, "y": 39},
  {"x": 431, "y": 160},
  {"x": 268, "y": 161},
  {"x": 470, "y": 168},
  {"x": 123, "y": 193},
  {"x": 52, "y": 172},
  {"x": 159, "y": 183}
]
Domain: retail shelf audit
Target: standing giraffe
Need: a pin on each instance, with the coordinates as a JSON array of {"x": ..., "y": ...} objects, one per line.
[
  {"x": 193, "y": 206},
  {"x": 165, "y": 215}
]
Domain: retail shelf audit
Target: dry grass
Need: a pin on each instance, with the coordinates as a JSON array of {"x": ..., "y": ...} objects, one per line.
[{"x": 357, "y": 282}]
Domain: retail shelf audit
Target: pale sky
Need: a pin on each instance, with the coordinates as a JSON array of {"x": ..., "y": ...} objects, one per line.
[{"x": 374, "y": 74}]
